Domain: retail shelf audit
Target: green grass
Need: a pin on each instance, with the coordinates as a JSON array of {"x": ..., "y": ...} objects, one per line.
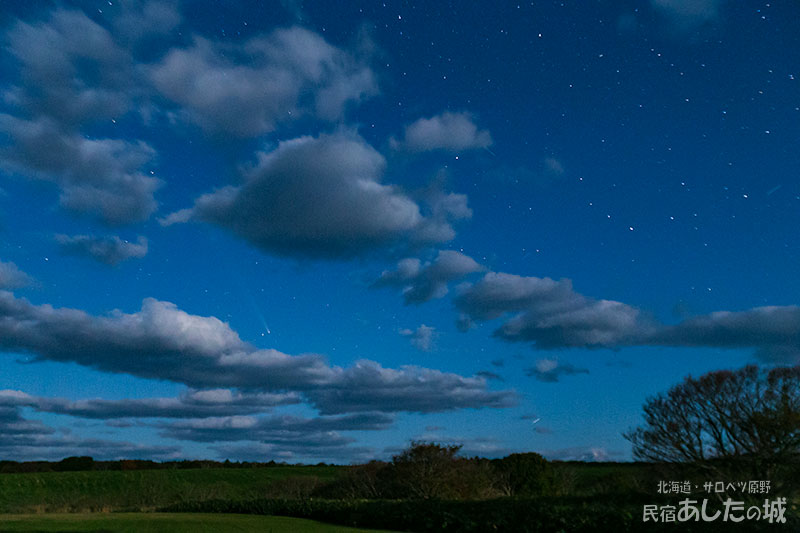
[
  {"x": 140, "y": 490},
  {"x": 167, "y": 523}
]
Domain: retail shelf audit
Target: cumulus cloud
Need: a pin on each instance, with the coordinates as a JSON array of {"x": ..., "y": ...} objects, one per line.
[
  {"x": 422, "y": 338},
  {"x": 272, "y": 430},
  {"x": 163, "y": 342},
  {"x": 339, "y": 449},
  {"x": 110, "y": 250},
  {"x": 282, "y": 437},
  {"x": 101, "y": 177},
  {"x": 192, "y": 404},
  {"x": 11, "y": 277},
  {"x": 72, "y": 73},
  {"x": 447, "y": 131},
  {"x": 441, "y": 209},
  {"x": 367, "y": 386},
  {"x": 314, "y": 197},
  {"x": 550, "y": 370},
  {"x": 138, "y": 21},
  {"x": 23, "y": 439},
  {"x": 424, "y": 282},
  {"x": 548, "y": 313},
  {"x": 774, "y": 331},
  {"x": 70, "y": 69},
  {"x": 248, "y": 89},
  {"x": 158, "y": 342}
]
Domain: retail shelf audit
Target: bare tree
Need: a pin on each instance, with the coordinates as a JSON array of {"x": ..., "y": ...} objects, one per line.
[
  {"x": 426, "y": 470},
  {"x": 747, "y": 420}
]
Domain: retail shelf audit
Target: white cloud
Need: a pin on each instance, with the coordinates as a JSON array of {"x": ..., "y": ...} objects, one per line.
[
  {"x": 422, "y": 338},
  {"x": 11, "y": 277},
  {"x": 447, "y": 131},
  {"x": 421, "y": 283},
  {"x": 109, "y": 250},
  {"x": 318, "y": 197},
  {"x": 247, "y": 90},
  {"x": 163, "y": 342}
]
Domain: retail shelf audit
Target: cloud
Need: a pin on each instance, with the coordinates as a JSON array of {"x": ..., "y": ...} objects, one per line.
[
  {"x": 339, "y": 450},
  {"x": 367, "y": 386},
  {"x": 247, "y": 90},
  {"x": 23, "y": 439},
  {"x": 192, "y": 404},
  {"x": 109, "y": 250},
  {"x": 582, "y": 453},
  {"x": 424, "y": 282},
  {"x": 688, "y": 13},
  {"x": 71, "y": 74},
  {"x": 441, "y": 209},
  {"x": 11, "y": 277},
  {"x": 139, "y": 21},
  {"x": 447, "y": 131},
  {"x": 774, "y": 331},
  {"x": 283, "y": 438},
  {"x": 553, "y": 167},
  {"x": 163, "y": 342},
  {"x": 313, "y": 197},
  {"x": 550, "y": 370},
  {"x": 421, "y": 338},
  {"x": 70, "y": 69},
  {"x": 101, "y": 177},
  {"x": 275, "y": 430},
  {"x": 486, "y": 374},
  {"x": 158, "y": 342},
  {"x": 548, "y": 313}
]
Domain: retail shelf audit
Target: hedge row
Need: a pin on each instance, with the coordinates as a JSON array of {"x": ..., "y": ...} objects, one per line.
[{"x": 502, "y": 515}]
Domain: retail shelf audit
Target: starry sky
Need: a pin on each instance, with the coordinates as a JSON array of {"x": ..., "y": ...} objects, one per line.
[{"x": 317, "y": 231}]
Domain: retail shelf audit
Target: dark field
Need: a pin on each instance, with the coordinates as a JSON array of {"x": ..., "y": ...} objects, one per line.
[
  {"x": 147, "y": 490},
  {"x": 583, "y": 497},
  {"x": 166, "y": 523}
]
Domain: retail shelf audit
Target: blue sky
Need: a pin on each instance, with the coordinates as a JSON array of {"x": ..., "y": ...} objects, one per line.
[{"x": 318, "y": 231}]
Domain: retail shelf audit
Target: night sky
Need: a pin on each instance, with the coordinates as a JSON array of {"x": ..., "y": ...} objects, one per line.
[{"x": 317, "y": 231}]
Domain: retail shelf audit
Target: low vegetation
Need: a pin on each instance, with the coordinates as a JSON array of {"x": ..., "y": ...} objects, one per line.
[
  {"x": 428, "y": 487},
  {"x": 166, "y": 523}
]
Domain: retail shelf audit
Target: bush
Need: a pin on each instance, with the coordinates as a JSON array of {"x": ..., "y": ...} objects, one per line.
[
  {"x": 423, "y": 471},
  {"x": 293, "y": 487},
  {"x": 74, "y": 464},
  {"x": 367, "y": 481},
  {"x": 525, "y": 474},
  {"x": 519, "y": 515}
]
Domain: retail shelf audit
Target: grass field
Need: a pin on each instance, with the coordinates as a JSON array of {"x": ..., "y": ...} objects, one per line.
[
  {"x": 167, "y": 523},
  {"x": 149, "y": 490},
  {"x": 146, "y": 490}
]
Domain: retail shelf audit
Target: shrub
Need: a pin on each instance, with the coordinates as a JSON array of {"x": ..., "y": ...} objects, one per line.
[
  {"x": 423, "y": 471},
  {"x": 525, "y": 474}
]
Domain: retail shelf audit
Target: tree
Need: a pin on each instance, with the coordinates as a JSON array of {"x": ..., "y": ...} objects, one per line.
[
  {"x": 524, "y": 474},
  {"x": 75, "y": 464},
  {"x": 746, "y": 420},
  {"x": 425, "y": 471}
]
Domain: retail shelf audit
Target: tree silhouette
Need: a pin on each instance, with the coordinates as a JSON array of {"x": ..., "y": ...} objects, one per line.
[
  {"x": 746, "y": 421},
  {"x": 425, "y": 470}
]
